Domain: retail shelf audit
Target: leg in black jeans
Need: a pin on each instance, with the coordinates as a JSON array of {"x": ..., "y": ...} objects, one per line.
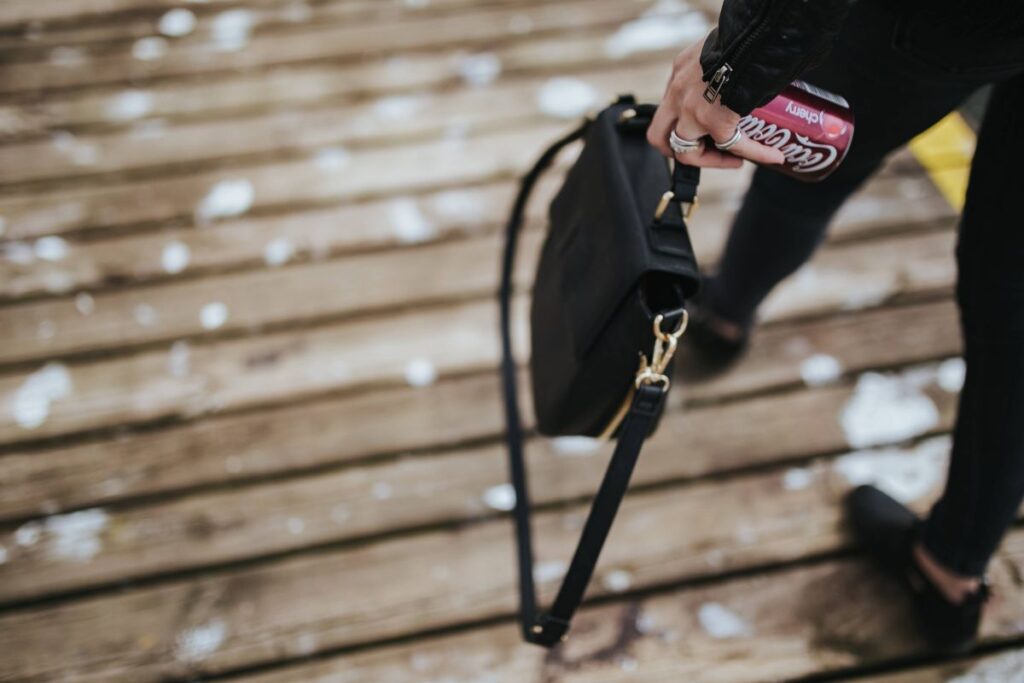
[
  {"x": 986, "y": 476},
  {"x": 782, "y": 221}
]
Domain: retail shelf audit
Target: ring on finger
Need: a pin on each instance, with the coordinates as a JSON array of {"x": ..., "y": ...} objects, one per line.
[
  {"x": 681, "y": 145},
  {"x": 731, "y": 142}
]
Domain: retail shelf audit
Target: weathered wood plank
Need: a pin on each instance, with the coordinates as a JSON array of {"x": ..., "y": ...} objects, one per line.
[
  {"x": 239, "y": 524},
  {"x": 850, "y": 276},
  {"x": 314, "y": 234},
  {"x": 300, "y": 605},
  {"x": 289, "y": 438},
  {"x": 472, "y": 29},
  {"x": 819, "y": 619},
  {"x": 1005, "y": 665},
  {"x": 27, "y": 11}
]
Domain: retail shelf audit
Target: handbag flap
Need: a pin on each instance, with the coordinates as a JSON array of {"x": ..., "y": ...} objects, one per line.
[{"x": 604, "y": 214}]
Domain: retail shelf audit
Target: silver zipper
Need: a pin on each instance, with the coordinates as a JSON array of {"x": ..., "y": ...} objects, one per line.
[{"x": 717, "y": 82}]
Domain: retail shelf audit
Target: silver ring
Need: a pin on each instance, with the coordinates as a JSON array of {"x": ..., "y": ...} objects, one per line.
[
  {"x": 728, "y": 144},
  {"x": 681, "y": 145}
]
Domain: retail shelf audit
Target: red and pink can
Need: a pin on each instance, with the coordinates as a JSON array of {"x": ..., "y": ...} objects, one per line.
[{"x": 812, "y": 127}]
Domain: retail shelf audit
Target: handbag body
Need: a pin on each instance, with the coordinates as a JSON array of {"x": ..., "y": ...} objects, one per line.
[{"x": 608, "y": 307}]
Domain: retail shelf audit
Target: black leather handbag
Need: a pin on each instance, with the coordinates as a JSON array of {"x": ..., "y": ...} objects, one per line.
[{"x": 608, "y": 308}]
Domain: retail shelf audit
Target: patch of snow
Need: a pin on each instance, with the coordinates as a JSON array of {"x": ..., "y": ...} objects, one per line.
[
  {"x": 479, "y": 69},
  {"x": 398, "y": 107},
  {"x": 906, "y": 474},
  {"x": 567, "y": 98},
  {"x": 175, "y": 257},
  {"x": 1007, "y": 667},
  {"x": 951, "y": 375},
  {"x": 797, "y": 479},
  {"x": 178, "y": 359},
  {"x": 28, "y": 534},
  {"x": 332, "y": 159},
  {"x": 46, "y": 329},
  {"x": 575, "y": 445},
  {"x": 67, "y": 57},
  {"x": 213, "y": 315},
  {"x": 617, "y": 580},
  {"x": 278, "y": 251},
  {"x": 382, "y": 490},
  {"x": 84, "y": 303},
  {"x": 151, "y": 129},
  {"x": 30, "y": 405},
  {"x": 549, "y": 571},
  {"x": 410, "y": 224},
  {"x": 459, "y": 205},
  {"x": 230, "y": 197},
  {"x": 886, "y": 409},
  {"x": 51, "y": 248},
  {"x": 149, "y": 49},
  {"x": 718, "y": 621},
  {"x": 177, "y": 22},
  {"x": 670, "y": 23},
  {"x": 296, "y": 526},
  {"x": 129, "y": 105},
  {"x": 500, "y": 497},
  {"x": 420, "y": 372},
  {"x": 76, "y": 536},
  {"x": 196, "y": 644},
  {"x": 820, "y": 369},
  {"x": 145, "y": 315},
  {"x": 231, "y": 30},
  {"x": 20, "y": 253}
]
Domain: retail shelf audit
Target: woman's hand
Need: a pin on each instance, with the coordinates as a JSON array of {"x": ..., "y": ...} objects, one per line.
[{"x": 684, "y": 109}]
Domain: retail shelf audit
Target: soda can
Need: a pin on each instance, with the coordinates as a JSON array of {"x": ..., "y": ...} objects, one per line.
[{"x": 812, "y": 127}]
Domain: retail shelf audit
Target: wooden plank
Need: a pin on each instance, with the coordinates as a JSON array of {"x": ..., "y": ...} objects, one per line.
[
  {"x": 314, "y": 234},
  {"x": 309, "y": 436},
  {"x": 301, "y": 605},
  {"x": 254, "y": 521},
  {"x": 302, "y": 362},
  {"x": 850, "y": 276},
  {"x": 474, "y": 29},
  {"x": 16, "y": 12},
  {"x": 1004, "y": 665},
  {"x": 820, "y": 619}
]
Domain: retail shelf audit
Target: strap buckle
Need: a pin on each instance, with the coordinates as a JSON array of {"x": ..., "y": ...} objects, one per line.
[
  {"x": 666, "y": 199},
  {"x": 665, "y": 344}
]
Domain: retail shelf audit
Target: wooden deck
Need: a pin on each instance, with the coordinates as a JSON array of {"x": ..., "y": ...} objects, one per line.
[{"x": 250, "y": 425}]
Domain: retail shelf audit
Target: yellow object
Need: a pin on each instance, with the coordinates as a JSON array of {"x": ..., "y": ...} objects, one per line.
[{"x": 945, "y": 150}]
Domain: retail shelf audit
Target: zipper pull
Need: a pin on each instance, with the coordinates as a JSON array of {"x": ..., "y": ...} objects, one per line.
[{"x": 717, "y": 82}]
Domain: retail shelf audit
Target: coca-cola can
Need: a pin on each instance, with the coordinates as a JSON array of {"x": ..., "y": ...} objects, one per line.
[{"x": 812, "y": 127}]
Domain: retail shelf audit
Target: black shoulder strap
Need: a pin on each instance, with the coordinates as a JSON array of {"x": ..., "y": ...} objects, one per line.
[{"x": 548, "y": 628}]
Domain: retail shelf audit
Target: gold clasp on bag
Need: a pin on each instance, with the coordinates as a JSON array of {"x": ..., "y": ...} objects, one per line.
[
  {"x": 666, "y": 199},
  {"x": 665, "y": 343}
]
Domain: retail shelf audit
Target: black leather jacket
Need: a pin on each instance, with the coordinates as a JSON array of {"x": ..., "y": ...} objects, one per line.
[{"x": 760, "y": 46}]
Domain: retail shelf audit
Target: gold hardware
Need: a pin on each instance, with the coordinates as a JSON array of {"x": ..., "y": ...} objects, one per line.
[
  {"x": 665, "y": 343},
  {"x": 620, "y": 415},
  {"x": 666, "y": 199},
  {"x": 689, "y": 207},
  {"x": 627, "y": 115},
  {"x": 538, "y": 629}
]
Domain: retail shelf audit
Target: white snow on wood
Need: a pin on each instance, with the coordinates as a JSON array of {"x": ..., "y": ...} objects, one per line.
[
  {"x": 820, "y": 370},
  {"x": 575, "y": 445},
  {"x": 797, "y": 478},
  {"x": 296, "y": 526},
  {"x": 567, "y": 98},
  {"x": 398, "y": 107},
  {"x": 382, "y": 490},
  {"x": 231, "y": 30},
  {"x": 420, "y": 372},
  {"x": 129, "y": 105},
  {"x": 75, "y": 537},
  {"x": 479, "y": 69},
  {"x": 196, "y": 644},
  {"x": 178, "y": 359},
  {"x": 906, "y": 474},
  {"x": 278, "y": 251},
  {"x": 549, "y": 571},
  {"x": 51, "y": 248},
  {"x": 149, "y": 49},
  {"x": 213, "y": 315},
  {"x": 718, "y": 621},
  {"x": 669, "y": 23},
  {"x": 145, "y": 315},
  {"x": 500, "y": 497},
  {"x": 65, "y": 56},
  {"x": 30, "y": 404},
  {"x": 887, "y": 409},
  {"x": 46, "y": 329},
  {"x": 175, "y": 257},
  {"x": 177, "y": 22},
  {"x": 230, "y": 197},
  {"x": 459, "y": 205},
  {"x": 408, "y": 221},
  {"x": 28, "y": 534},
  {"x": 84, "y": 303},
  {"x": 19, "y": 253},
  {"x": 1007, "y": 667},
  {"x": 332, "y": 159},
  {"x": 951, "y": 375},
  {"x": 617, "y": 580}
]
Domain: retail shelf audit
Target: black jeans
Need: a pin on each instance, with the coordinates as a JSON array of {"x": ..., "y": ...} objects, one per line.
[{"x": 781, "y": 222}]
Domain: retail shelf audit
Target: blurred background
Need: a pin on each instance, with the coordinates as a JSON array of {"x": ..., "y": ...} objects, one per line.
[{"x": 249, "y": 417}]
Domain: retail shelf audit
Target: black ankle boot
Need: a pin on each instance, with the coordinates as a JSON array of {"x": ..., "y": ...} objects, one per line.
[{"x": 888, "y": 531}]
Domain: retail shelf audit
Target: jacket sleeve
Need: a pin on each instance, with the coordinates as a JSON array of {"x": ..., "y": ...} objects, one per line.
[{"x": 760, "y": 46}]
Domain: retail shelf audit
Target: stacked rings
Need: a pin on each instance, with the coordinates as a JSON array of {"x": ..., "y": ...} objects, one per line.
[
  {"x": 681, "y": 145},
  {"x": 728, "y": 144}
]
